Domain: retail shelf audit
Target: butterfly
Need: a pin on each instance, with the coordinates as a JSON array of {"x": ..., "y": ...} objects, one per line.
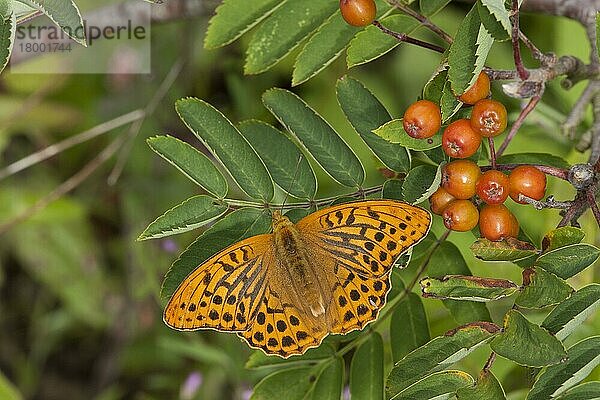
[{"x": 284, "y": 292}]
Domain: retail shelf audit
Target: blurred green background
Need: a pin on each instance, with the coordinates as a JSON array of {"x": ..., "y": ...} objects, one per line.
[{"x": 80, "y": 314}]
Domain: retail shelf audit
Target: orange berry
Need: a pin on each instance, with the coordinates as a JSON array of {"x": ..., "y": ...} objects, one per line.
[
  {"x": 459, "y": 140},
  {"x": 460, "y": 216},
  {"x": 489, "y": 118},
  {"x": 439, "y": 200},
  {"x": 497, "y": 222},
  {"x": 529, "y": 181},
  {"x": 358, "y": 12},
  {"x": 492, "y": 187},
  {"x": 479, "y": 90},
  {"x": 459, "y": 178},
  {"x": 422, "y": 119}
]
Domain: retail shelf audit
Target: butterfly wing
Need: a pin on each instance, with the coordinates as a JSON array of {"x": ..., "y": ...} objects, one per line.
[
  {"x": 224, "y": 292},
  {"x": 356, "y": 245},
  {"x": 367, "y": 236},
  {"x": 280, "y": 327}
]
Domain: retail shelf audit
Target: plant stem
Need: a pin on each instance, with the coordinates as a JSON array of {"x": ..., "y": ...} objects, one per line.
[
  {"x": 556, "y": 172},
  {"x": 402, "y": 37},
  {"x": 514, "y": 19},
  {"x": 423, "y": 20},
  {"x": 492, "y": 152},
  {"x": 517, "y": 124}
]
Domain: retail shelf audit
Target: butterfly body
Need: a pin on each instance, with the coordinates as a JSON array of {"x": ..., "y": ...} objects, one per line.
[{"x": 284, "y": 292}]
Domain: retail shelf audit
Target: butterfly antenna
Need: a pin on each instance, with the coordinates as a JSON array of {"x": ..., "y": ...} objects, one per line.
[{"x": 287, "y": 192}]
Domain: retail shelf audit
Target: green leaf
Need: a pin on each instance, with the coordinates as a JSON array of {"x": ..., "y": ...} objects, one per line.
[
  {"x": 562, "y": 237},
  {"x": 392, "y": 189},
  {"x": 284, "y": 30},
  {"x": 586, "y": 391},
  {"x": 526, "y": 343},
  {"x": 371, "y": 43},
  {"x": 366, "y": 113},
  {"x": 439, "y": 385},
  {"x": 289, "y": 384},
  {"x": 534, "y": 158},
  {"x": 63, "y": 13},
  {"x": 448, "y": 260},
  {"x": 554, "y": 380},
  {"x": 449, "y": 103},
  {"x": 258, "y": 359},
  {"x": 431, "y": 7},
  {"x": 232, "y": 228},
  {"x": 7, "y": 390},
  {"x": 487, "y": 387},
  {"x": 542, "y": 289},
  {"x": 408, "y": 326},
  {"x": 473, "y": 288},
  {"x": 193, "y": 164},
  {"x": 366, "y": 369},
  {"x": 235, "y": 17},
  {"x": 468, "y": 53},
  {"x": 495, "y": 18},
  {"x": 393, "y": 132},
  {"x": 8, "y": 25},
  {"x": 568, "y": 261},
  {"x": 438, "y": 354},
  {"x": 504, "y": 250},
  {"x": 328, "y": 385},
  {"x": 571, "y": 313},
  {"x": 191, "y": 214},
  {"x": 321, "y": 140},
  {"x": 421, "y": 182},
  {"x": 281, "y": 156},
  {"x": 434, "y": 87},
  {"x": 228, "y": 145}
]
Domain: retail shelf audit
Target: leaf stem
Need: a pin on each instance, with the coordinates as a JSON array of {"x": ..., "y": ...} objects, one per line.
[
  {"x": 492, "y": 152},
  {"x": 514, "y": 19},
  {"x": 426, "y": 22},
  {"x": 402, "y": 37}
]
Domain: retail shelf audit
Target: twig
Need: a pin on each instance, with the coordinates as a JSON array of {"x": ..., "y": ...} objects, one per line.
[
  {"x": 518, "y": 122},
  {"x": 591, "y": 198},
  {"x": 544, "y": 59},
  {"x": 492, "y": 152},
  {"x": 578, "y": 111},
  {"x": 59, "y": 147},
  {"x": 595, "y": 131},
  {"x": 578, "y": 206},
  {"x": 549, "y": 203},
  {"x": 402, "y": 37},
  {"x": 423, "y": 20},
  {"x": 514, "y": 19}
]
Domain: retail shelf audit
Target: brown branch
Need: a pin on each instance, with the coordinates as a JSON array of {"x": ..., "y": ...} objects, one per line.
[
  {"x": 517, "y": 124},
  {"x": 423, "y": 20},
  {"x": 402, "y": 37},
  {"x": 514, "y": 19}
]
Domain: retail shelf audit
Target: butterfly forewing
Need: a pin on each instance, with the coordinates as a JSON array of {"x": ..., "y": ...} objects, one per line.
[
  {"x": 366, "y": 237},
  {"x": 223, "y": 292}
]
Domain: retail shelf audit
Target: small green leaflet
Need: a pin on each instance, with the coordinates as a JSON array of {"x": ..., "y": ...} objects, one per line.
[
  {"x": 63, "y": 13},
  {"x": 471, "y": 288},
  {"x": 571, "y": 313},
  {"x": 8, "y": 25}
]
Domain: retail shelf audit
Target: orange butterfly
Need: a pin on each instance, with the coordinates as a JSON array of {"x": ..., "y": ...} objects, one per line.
[{"x": 284, "y": 292}]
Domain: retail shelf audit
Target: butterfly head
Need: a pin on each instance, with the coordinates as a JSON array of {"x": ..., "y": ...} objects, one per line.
[{"x": 280, "y": 221}]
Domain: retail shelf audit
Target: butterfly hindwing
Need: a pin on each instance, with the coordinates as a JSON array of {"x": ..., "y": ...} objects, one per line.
[
  {"x": 368, "y": 236},
  {"x": 279, "y": 327},
  {"x": 223, "y": 292}
]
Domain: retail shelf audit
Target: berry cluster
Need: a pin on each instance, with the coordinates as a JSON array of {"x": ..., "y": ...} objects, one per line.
[{"x": 463, "y": 179}]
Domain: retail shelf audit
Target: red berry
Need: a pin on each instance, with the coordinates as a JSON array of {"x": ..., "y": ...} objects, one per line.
[
  {"x": 459, "y": 140},
  {"x": 479, "y": 90},
  {"x": 489, "y": 118},
  {"x": 493, "y": 187},
  {"x": 422, "y": 119},
  {"x": 439, "y": 200},
  {"x": 358, "y": 12},
  {"x": 497, "y": 222},
  {"x": 529, "y": 181},
  {"x": 459, "y": 178},
  {"x": 460, "y": 215}
]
